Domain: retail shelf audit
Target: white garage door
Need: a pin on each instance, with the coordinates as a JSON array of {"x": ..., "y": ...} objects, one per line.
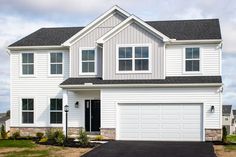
[{"x": 161, "y": 122}]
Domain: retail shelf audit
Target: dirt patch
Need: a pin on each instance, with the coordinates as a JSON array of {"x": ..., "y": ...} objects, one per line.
[
  {"x": 71, "y": 152},
  {"x": 221, "y": 152},
  {"x": 8, "y": 150}
]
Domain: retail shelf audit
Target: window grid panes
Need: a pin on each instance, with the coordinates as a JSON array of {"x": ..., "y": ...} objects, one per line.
[
  {"x": 27, "y": 111},
  {"x": 88, "y": 61},
  {"x": 56, "y": 63},
  {"x": 135, "y": 58},
  {"x": 27, "y": 63},
  {"x": 192, "y": 59},
  {"x": 56, "y": 111}
]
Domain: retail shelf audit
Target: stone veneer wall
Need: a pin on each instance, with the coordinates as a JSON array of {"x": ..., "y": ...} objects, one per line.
[
  {"x": 213, "y": 134},
  {"x": 31, "y": 131},
  {"x": 108, "y": 133}
]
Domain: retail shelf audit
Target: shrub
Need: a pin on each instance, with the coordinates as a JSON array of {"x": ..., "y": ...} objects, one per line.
[
  {"x": 224, "y": 137},
  {"x": 83, "y": 138},
  {"x": 16, "y": 135},
  {"x": 3, "y": 132},
  {"x": 98, "y": 138},
  {"x": 43, "y": 140},
  {"x": 59, "y": 137},
  {"x": 39, "y": 135},
  {"x": 50, "y": 134}
]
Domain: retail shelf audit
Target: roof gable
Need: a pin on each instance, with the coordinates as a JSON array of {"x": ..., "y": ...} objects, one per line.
[{"x": 127, "y": 22}]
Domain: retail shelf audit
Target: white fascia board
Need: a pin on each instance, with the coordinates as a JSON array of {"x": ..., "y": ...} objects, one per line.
[
  {"x": 90, "y": 85},
  {"x": 126, "y": 22},
  {"x": 206, "y": 41},
  {"x": 36, "y": 47},
  {"x": 94, "y": 23}
]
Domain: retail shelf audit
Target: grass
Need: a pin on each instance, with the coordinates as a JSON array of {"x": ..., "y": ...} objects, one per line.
[
  {"x": 230, "y": 147},
  {"x": 25, "y": 153},
  {"x": 231, "y": 138},
  {"x": 17, "y": 143}
]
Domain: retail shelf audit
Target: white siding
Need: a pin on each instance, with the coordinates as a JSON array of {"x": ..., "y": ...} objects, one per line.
[
  {"x": 42, "y": 87},
  {"x": 133, "y": 34},
  {"x": 89, "y": 40},
  {"x": 207, "y": 96},
  {"x": 210, "y": 60}
]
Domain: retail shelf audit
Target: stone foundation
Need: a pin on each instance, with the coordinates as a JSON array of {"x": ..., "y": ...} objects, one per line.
[
  {"x": 108, "y": 133},
  {"x": 31, "y": 131},
  {"x": 213, "y": 134}
]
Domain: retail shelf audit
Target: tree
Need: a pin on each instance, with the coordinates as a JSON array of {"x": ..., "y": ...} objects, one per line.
[{"x": 8, "y": 113}]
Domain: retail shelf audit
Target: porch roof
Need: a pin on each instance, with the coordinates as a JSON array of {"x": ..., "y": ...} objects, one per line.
[{"x": 168, "y": 80}]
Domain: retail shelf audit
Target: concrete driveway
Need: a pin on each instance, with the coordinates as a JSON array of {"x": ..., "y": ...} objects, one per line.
[{"x": 153, "y": 149}]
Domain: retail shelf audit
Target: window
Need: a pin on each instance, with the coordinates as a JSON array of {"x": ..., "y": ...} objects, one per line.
[
  {"x": 135, "y": 58},
  {"x": 56, "y": 63},
  {"x": 192, "y": 60},
  {"x": 88, "y": 61},
  {"x": 27, "y": 63},
  {"x": 28, "y": 111},
  {"x": 56, "y": 111},
  {"x": 226, "y": 119}
]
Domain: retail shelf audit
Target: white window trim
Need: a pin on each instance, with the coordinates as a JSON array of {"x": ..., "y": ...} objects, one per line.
[
  {"x": 21, "y": 110},
  {"x": 49, "y": 64},
  {"x": 200, "y": 61},
  {"x": 133, "y": 71},
  {"x": 49, "y": 115},
  {"x": 21, "y": 65},
  {"x": 80, "y": 61}
]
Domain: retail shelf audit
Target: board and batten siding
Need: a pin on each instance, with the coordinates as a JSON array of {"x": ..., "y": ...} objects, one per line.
[
  {"x": 210, "y": 60},
  {"x": 133, "y": 34},
  {"x": 206, "y": 96},
  {"x": 89, "y": 40},
  {"x": 40, "y": 87}
]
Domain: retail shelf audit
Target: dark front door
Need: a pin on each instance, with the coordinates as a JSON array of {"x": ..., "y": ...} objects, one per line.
[{"x": 92, "y": 115}]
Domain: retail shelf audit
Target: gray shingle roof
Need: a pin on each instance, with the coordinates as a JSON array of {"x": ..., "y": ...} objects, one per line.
[
  {"x": 48, "y": 36},
  {"x": 226, "y": 110},
  {"x": 180, "y": 30},
  {"x": 168, "y": 80}
]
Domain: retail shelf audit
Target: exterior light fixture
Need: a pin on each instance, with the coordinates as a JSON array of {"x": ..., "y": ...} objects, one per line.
[
  {"x": 66, "y": 109},
  {"x": 76, "y": 104},
  {"x": 212, "y": 109}
]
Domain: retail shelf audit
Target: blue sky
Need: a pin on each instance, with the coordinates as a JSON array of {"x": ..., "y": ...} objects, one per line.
[{"x": 18, "y": 18}]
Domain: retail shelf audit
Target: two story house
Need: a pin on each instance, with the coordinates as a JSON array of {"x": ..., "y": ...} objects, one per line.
[
  {"x": 122, "y": 77},
  {"x": 228, "y": 118}
]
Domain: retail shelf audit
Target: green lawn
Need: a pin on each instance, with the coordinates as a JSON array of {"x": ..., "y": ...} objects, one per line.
[
  {"x": 25, "y": 153},
  {"x": 17, "y": 143},
  {"x": 231, "y": 138}
]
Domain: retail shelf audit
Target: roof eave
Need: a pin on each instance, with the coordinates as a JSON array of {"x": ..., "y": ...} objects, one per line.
[
  {"x": 205, "y": 41},
  {"x": 36, "y": 47}
]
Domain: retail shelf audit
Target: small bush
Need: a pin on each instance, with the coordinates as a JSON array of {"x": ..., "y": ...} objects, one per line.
[
  {"x": 98, "y": 138},
  {"x": 83, "y": 138},
  {"x": 43, "y": 140},
  {"x": 16, "y": 135},
  {"x": 224, "y": 136},
  {"x": 3, "y": 132},
  {"x": 39, "y": 135},
  {"x": 50, "y": 134},
  {"x": 59, "y": 137}
]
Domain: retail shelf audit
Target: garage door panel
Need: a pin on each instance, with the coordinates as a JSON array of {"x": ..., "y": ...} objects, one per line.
[{"x": 169, "y": 122}]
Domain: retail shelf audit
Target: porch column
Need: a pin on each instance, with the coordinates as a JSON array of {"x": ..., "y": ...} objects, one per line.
[{"x": 65, "y": 102}]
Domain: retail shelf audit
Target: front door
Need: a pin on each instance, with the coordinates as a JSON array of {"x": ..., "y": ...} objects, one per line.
[{"x": 92, "y": 115}]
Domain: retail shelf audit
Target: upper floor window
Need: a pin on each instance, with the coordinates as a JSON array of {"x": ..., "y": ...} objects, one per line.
[
  {"x": 55, "y": 111},
  {"x": 133, "y": 59},
  {"x": 56, "y": 63},
  {"x": 88, "y": 62},
  {"x": 27, "y": 111},
  {"x": 192, "y": 60},
  {"x": 27, "y": 64}
]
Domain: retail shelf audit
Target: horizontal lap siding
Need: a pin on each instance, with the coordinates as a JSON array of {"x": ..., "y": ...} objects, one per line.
[
  {"x": 41, "y": 87},
  {"x": 210, "y": 59},
  {"x": 90, "y": 41},
  {"x": 133, "y": 34},
  {"x": 207, "y": 96}
]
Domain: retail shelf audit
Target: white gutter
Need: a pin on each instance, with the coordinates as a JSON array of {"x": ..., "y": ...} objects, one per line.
[
  {"x": 36, "y": 47},
  {"x": 173, "y": 41},
  {"x": 90, "y": 85}
]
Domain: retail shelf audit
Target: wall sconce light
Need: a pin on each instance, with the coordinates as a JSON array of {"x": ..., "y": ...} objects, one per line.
[
  {"x": 76, "y": 104},
  {"x": 212, "y": 109}
]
